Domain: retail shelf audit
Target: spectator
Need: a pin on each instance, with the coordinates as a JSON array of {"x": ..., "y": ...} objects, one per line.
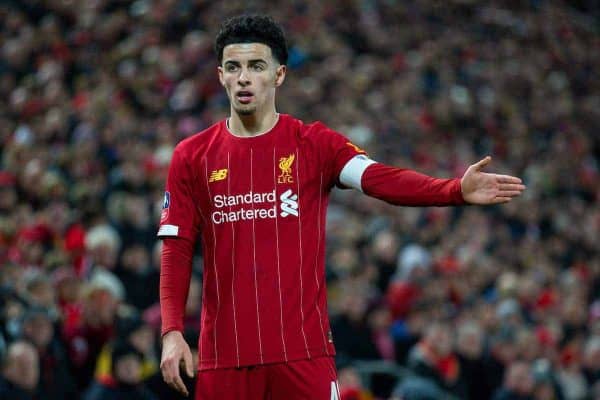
[
  {"x": 433, "y": 359},
  {"x": 133, "y": 330},
  {"x": 92, "y": 330},
  {"x": 546, "y": 385},
  {"x": 518, "y": 383},
  {"x": 139, "y": 277},
  {"x": 127, "y": 372},
  {"x": 350, "y": 386},
  {"x": 470, "y": 352},
  {"x": 20, "y": 372},
  {"x": 351, "y": 331},
  {"x": 502, "y": 353},
  {"x": 55, "y": 381}
]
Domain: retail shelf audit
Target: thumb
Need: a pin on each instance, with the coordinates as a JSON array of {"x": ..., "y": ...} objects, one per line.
[
  {"x": 482, "y": 163},
  {"x": 189, "y": 363}
]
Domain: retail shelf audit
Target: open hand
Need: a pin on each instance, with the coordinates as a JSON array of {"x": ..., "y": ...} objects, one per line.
[
  {"x": 176, "y": 354},
  {"x": 484, "y": 188}
]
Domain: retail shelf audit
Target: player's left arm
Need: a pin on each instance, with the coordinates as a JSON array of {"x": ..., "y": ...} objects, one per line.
[{"x": 406, "y": 187}]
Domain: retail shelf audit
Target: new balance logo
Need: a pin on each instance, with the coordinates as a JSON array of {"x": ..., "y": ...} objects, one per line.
[
  {"x": 289, "y": 203},
  {"x": 218, "y": 175}
]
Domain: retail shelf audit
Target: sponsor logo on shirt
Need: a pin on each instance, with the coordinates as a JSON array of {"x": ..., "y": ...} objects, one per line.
[
  {"x": 285, "y": 165},
  {"x": 234, "y": 208},
  {"x": 218, "y": 175},
  {"x": 289, "y": 203},
  {"x": 165, "y": 208}
]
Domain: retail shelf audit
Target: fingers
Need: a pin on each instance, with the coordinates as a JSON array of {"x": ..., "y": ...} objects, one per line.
[
  {"x": 501, "y": 200},
  {"x": 508, "y": 179},
  {"x": 189, "y": 363},
  {"x": 510, "y": 190},
  {"x": 511, "y": 187},
  {"x": 482, "y": 163},
  {"x": 170, "y": 371},
  {"x": 510, "y": 194},
  {"x": 180, "y": 386}
]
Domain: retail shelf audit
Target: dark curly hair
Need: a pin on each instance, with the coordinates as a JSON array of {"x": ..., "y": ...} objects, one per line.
[{"x": 252, "y": 29}]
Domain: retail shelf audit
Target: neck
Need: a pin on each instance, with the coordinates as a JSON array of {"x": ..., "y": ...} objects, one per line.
[{"x": 252, "y": 125}]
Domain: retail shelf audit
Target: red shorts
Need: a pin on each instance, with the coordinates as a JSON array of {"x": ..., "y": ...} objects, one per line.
[{"x": 314, "y": 379}]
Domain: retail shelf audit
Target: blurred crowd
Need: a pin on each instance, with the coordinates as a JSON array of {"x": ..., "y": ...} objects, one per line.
[{"x": 467, "y": 303}]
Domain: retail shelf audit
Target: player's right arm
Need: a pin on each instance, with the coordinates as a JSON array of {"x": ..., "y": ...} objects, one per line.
[
  {"x": 178, "y": 229},
  {"x": 175, "y": 273}
]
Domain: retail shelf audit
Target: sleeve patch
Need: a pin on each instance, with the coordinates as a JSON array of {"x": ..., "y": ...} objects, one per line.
[
  {"x": 168, "y": 230},
  {"x": 165, "y": 208}
]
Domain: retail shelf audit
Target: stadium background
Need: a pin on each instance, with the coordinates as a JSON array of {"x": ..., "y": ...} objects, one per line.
[{"x": 474, "y": 302}]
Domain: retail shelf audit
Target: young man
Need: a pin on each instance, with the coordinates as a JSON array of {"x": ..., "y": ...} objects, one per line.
[{"x": 256, "y": 187}]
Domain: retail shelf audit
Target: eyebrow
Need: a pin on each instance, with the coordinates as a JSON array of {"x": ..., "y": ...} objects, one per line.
[{"x": 254, "y": 61}]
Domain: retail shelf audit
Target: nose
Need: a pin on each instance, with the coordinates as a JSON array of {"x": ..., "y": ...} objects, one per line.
[{"x": 243, "y": 79}]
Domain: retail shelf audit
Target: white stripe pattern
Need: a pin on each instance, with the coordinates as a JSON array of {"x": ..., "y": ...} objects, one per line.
[
  {"x": 317, "y": 263},
  {"x": 237, "y": 346},
  {"x": 301, "y": 250},
  {"x": 254, "y": 255},
  {"x": 278, "y": 269},
  {"x": 203, "y": 314},
  {"x": 215, "y": 269}
]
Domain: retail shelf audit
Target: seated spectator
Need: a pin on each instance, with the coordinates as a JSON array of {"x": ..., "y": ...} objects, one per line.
[
  {"x": 20, "y": 372},
  {"x": 139, "y": 277},
  {"x": 433, "y": 358},
  {"x": 134, "y": 331},
  {"x": 127, "y": 373},
  {"x": 351, "y": 332},
  {"x": 502, "y": 352},
  {"x": 418, "y": 388},
  {"x": 350, "y": 385},
  {"x": 591, "y": 360},
  {"x": 469, "y": 349},
  {"x": 518, "y": 383},
  {"x": 56, "y": 381},
  {"x": 545, "y": 383},
  {"x": 92, "y": 328}
]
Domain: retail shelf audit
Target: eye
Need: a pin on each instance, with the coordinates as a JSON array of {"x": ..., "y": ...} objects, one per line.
[
  {"x": 258, "y": 67},
  {"x": 231, "y": 67}
]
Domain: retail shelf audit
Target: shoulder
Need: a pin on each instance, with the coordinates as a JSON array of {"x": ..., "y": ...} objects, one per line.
[
  {"x": 198, "y": 142},
  {"x": 313, "y": 131}
]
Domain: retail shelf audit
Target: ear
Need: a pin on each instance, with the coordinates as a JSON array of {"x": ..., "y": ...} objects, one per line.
[
  {"x": 280, "y": 75},
  {"x": 220, "y": 72}
]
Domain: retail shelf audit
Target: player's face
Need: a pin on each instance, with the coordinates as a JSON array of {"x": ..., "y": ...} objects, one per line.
[{"x": 250, "y": 75}]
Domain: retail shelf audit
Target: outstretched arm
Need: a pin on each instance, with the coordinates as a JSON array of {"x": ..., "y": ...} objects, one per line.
[{"x": 410, "y": 188}]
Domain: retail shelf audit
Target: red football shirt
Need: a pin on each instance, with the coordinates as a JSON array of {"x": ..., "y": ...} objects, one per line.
[{"x": 259, "y": 204}]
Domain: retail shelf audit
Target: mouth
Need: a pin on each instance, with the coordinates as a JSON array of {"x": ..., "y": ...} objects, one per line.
[{"x": 244, "y": 96}]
